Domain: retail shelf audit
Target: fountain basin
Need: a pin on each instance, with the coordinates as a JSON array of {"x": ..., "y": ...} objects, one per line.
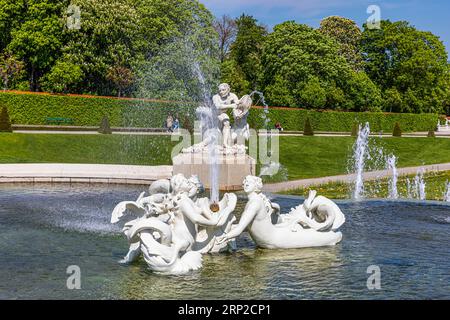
[{"x": 46, "y": 228}]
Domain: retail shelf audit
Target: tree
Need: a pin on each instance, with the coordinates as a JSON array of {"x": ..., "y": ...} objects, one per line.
[
  {"x": 186, "y": 67},
  {"x": 122, "y": 78},
  {"x": 226, "y": 29},
  {"x": 5, "y": 122},
  {"x": 302, "y": 67},
  {"x": 62, "y": 76},
  {"x": 110, "y": 34},
  {"x": 313, "y": 94},
  {"x": 10, "y": 69},
  {"x": 12, "y": 14},
  {"x": 347, "y": 33},
  {"x": 410, "y": 66},
  {"x": 37, "y": 37},
  {"x": 244, "y": 62}
]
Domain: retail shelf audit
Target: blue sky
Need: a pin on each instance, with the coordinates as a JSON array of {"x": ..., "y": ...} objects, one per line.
[{"x": 433, "y": 15}]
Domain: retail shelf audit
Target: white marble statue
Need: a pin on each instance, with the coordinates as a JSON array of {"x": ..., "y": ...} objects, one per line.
[
  {"x": 223, "y": 101},
  {"x": 233, "y": 137},
  {"x": 312, "y": 224},
  {"x": 172, "y": 230}
]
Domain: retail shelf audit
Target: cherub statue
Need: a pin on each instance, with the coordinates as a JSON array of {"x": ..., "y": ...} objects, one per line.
[{"x": 166, "y": 231}]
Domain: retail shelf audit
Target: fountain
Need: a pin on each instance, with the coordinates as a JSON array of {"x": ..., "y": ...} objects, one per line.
[
  {"x": 172, "y": 230},
  {"x": 419, "y": 186},
  {"x": 392, "y": 165},
  {"x": 447, "y": 192},
  {"x": 359, "y": 156},
  {"x": 220, "y": 159}
]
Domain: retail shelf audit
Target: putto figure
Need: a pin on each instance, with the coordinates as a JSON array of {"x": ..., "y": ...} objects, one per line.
[
  {"x": 174, "y": 228},
  {"x": 233, "y": 137},
  {"x": 223, "y": 101}
]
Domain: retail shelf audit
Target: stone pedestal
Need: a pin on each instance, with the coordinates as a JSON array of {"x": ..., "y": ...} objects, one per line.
[{"x": 232, "y": 168}]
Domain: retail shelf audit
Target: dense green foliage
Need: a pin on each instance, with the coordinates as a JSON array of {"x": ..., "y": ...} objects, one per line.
[
  {"x": 409, "y": 66},
  {"x": 302, "y": 67},
  {"x": 35, "y": 108},
  {"x": 395, "y": 69},
  {"x": 242, "y": 69},
  {"x": 347, "y": 33},
  {"x": 72, "y": 45},
  {"x": 173, "y": 49}
]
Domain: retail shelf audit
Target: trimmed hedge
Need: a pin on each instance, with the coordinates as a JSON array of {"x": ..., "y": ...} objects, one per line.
[
  {"x": 33, "y": 109},
  {"x": 334, "y": 121}
]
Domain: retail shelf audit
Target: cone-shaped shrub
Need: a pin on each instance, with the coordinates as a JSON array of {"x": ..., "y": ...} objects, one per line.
[
  {"x": 308, "y": 130},
  {"x": 397, "y": 131},
  {"x": 104, "y": 126},
  {"x": 355, "y": 129},
  {"x": 5, "y": 122}
]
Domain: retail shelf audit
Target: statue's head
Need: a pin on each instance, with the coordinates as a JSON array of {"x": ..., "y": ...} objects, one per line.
[
  {"x": 224, "y": 89},
  {"x": 196, "y": 186},
  {"x": 179, "y": 184},
  {"x": 252, "y": 184}
]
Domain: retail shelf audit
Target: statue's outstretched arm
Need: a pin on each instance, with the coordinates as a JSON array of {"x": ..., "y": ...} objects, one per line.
[
  {"x": 194, "y": 214},
  {"x": 246, "y": 218}
]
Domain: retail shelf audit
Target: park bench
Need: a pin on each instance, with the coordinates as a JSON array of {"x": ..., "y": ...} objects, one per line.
[{"x": 59, "y": 120}]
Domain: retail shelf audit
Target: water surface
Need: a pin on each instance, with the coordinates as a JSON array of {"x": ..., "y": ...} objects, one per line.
[{"x": 46, "y": 228}]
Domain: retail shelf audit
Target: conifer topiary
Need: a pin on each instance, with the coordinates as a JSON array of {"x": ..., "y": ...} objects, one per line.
[
  {"x": 308, "y": 130},
  {"x": 397, "y": 131},
  {"x": 104, "y": 126},
  {"x": 5, "y": 122}
]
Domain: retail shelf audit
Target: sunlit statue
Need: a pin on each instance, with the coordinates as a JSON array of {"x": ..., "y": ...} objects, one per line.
[
  {"x": 173, "y": 230},
  {"x": 312, "y": 224},
  {"x": 233, "y": 137}
]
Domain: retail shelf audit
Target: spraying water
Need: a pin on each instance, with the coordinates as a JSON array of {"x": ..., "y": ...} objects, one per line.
[
  {"x": 409, "y": 194},
  {"x": 360, "y": 149},
  {"x": 209, "y": 126},
  {"x": 392, "y": 165},
  {"x": 419, "y": 186},
  {"x": 447, "y": 193},
  {"x": 266, "y": 107}
]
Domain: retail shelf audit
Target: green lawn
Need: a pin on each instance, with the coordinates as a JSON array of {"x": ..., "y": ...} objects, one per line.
[
  {"x": 302, "y": 157},
  {"x": 310, "y": 157},
  {"x": 68, "y": 148}
]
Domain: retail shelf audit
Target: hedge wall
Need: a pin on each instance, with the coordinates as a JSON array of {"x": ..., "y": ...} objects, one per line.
[
  {"x": 33, "y": 109},
  {"x": 293, "y": 120}
]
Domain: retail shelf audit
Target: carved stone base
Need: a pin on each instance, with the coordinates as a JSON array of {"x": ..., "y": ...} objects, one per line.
[{"x": 233, "y": 168}]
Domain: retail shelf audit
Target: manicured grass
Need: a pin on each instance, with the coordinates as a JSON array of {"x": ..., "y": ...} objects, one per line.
[
  {"x": 68, "y": 148},
  {"x": 436, "y": 183},
  {"x": 310, "y": 157},
  {"x": 301, "y": 157}
]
